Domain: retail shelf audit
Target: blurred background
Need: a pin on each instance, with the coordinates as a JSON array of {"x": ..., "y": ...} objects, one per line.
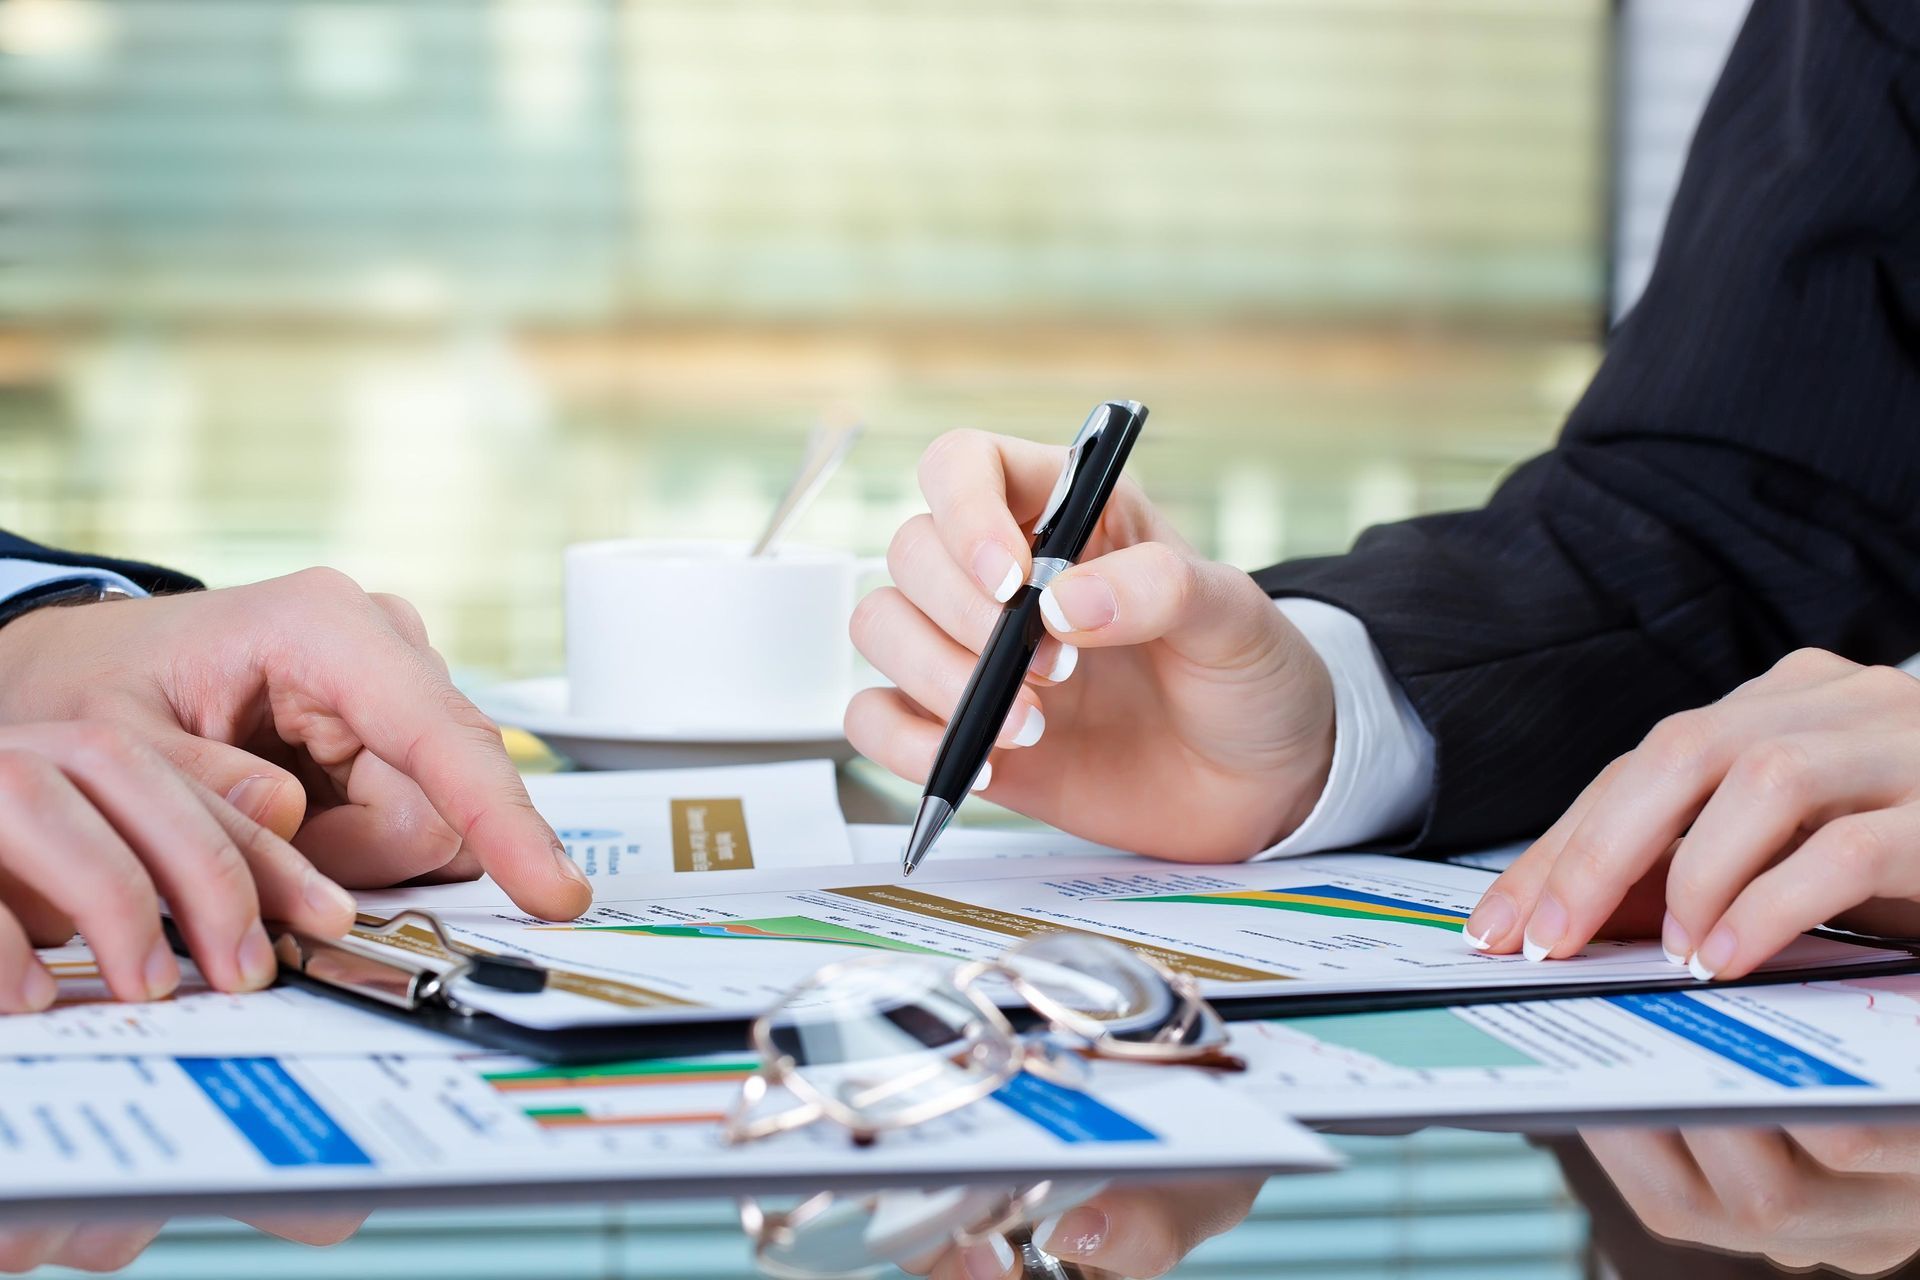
[{"x": 427, "y": 289}]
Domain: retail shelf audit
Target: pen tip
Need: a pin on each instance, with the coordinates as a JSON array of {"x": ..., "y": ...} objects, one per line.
[{"x": 932, "y": 819}]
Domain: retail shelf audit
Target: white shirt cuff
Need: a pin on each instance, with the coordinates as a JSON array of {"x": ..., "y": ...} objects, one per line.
[
  {"x": 1382, "y": 774},
  {"x": 18, "y": 576}
]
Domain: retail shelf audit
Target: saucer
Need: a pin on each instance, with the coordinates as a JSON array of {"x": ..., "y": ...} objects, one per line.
[{"x": 540, "y": 707}]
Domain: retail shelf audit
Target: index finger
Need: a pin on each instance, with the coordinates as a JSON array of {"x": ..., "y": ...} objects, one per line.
[
  {"x": 981, "y": 488},
  {"x": 409, "y": 714}
]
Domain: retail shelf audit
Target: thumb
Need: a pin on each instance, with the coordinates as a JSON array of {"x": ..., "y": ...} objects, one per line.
[
  {"x": 264, "y": 792},
  {"x": 1210, "y": 613}
]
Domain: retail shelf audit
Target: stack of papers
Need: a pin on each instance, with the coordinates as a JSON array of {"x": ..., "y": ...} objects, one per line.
[{"x": 718, "y": 889}]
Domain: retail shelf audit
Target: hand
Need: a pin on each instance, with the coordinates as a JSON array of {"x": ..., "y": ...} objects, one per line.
[
  {"x": 96, "y": 827},
  {"x": 1791, "y": 803},
  {"x": 1840, "y": 1196},
  {"x": 112, "y": 1246},
  {"x": 1173, "y": 711},
  {"x": 1139, "y": 1232},
  {"x": 319, "y": 711}
]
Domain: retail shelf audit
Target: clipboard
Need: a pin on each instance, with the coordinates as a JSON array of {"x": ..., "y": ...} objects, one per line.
[{"x": 420, "y": 991}]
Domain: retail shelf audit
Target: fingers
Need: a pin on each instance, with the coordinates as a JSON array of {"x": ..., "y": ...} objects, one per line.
[
  {"x": 25, "y": 984},
  {"x": 1860, "y": 1148},
  {"x": 216, "y": 885},
  {"x": 292, "y": 890},
  {"x": 318, "y": 1229},
  {"x": 264, "y": 792},
  {"x": 1845, "y": 862},
  {"x": 1209, "y": 613},
  {"x": 400, "y": 704},
  {"x": 1496, "y": 923},
  {"x": 58, "y": 843},
  {"x": 385, "y": 834},
  {"x": 980, "y": 489},
  {"x": 944, "y": 593},
  {"x": 990, "y": 1259},
  {"x": 1773, "y": 791},
  {"x": 884, "y": 726},
  {"x": 106, "y": 1247},
  {"x": 928, "y": 666},
  {"x": 1146, "y": 1231}
]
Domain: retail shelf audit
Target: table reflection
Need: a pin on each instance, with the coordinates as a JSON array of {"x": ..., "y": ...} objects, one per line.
[{"x": 1705, "y": 1203}]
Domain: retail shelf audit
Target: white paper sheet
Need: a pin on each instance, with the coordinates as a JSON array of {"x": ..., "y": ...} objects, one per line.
[
  {"x": 1844, "y": 1043},
  {"x": 190, "y": 1128},
  {"x": 730, "y": 946},
  {"x": 85, "y": 1020},
  {"x": 636, "y": 824},
  {"x": 881, "y": 844}
]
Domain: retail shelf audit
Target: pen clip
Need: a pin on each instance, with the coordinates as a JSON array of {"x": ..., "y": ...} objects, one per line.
[{"x": 1089, "y": 431}]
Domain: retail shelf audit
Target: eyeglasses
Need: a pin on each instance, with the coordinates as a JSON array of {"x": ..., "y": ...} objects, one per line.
[
  {"x": 888, "y": 1042},
  {"x": 843, "y": 1236}
]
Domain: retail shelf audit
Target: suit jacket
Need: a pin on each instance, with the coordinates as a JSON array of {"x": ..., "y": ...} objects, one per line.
[
  {"x": 1741, "y": 479},
  {"x": 148, "y": 577}
]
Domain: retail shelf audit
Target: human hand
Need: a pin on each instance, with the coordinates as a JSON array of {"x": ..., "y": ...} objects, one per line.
[
  {"x": 1791, "y": 803},
  {"x": 113, "y": 1246},
  {"x": 317, "y": 710},
  {"x": 1845, "y": 1197},
  {"x": 96, "y": 828},
  {"x": 1138, "y": 1232},
  {"x": 1173, "y": 711}
]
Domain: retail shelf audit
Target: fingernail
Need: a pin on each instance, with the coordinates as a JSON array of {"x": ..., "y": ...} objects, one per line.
[
  {"x": 997, "y": 570},
  {"x": 1063, "y": 663},
  {"x": 1031, "y": 728},
  {"x": 1674, "y": 942},
  {"x": 325, "y": 898},
  {"x": 1713, "y": 954},
  {"x": 1544, "y": 929},
  {"x": 1491, "y": 919},
  {"x": 162, "y": 973},
  {"x": 1077, "y": 1233},
  {"x": 983, "y": 779},
  {"x": 991, "y": 1259},
  {"x": 1083, "y": 602},
  {"x": 253, "y": 795},
  {"x": 255, "y": 957},
  {"x": 37, "y": 989},
  {"x": 568, "y": 868}
]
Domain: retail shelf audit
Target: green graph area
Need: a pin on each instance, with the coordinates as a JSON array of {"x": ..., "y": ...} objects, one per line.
[
  {"x": 771, "y": 928},
  {"x": 1420, "y": 1039}
]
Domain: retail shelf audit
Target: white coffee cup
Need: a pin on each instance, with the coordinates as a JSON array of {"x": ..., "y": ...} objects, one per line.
[{"x": 697, "y": 638}]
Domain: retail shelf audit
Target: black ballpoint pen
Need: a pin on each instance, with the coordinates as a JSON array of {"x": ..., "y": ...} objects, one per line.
[{"x": 1059, "y": 536}]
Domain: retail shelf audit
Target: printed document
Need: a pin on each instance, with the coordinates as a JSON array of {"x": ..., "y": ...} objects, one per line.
[
  {"x": 1848, "y": 1042},
  {"x": 688, "y": 948},
  {"x": 179, "y": 1132},
  {"x": 647, "y": 822}
]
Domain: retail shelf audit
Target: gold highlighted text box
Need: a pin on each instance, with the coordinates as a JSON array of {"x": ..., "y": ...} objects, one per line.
[
  {"x": 1013, "y": 925},
  {"x": 710, "y": 835}
]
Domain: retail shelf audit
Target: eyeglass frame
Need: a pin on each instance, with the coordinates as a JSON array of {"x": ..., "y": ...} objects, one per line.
[{"x": 990, "y": 1030}]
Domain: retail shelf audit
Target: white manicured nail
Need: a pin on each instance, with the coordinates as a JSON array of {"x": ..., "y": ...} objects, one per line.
[
  {"x": 1533, "y": 950},
  {"x": 1673, "y": 959},
  {"x": 1473, "y": 940},
  {"x": 1699, "y": 970},
  {"x": 1030, "y": 730},
  {"x": 1064, "y": 663},
  {"x": 1008, "y": 585},
  {"x": 984, "y": 778},
  {"x": 1050, "y": 610}
]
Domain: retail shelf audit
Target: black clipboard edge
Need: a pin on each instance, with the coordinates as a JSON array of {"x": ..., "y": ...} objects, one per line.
[{"x": 584, "y": 1046}]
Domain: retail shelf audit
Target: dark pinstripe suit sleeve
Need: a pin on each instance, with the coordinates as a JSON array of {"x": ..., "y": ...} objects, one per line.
[{"x": 1742, "y": 477}]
